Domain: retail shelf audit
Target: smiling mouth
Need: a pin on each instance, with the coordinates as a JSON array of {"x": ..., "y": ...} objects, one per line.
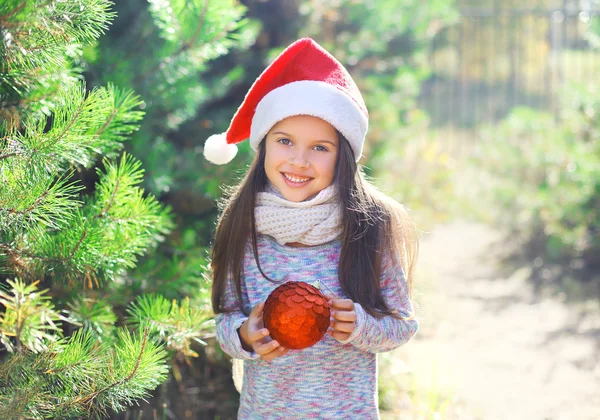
[{"x": 296, "y": 179}]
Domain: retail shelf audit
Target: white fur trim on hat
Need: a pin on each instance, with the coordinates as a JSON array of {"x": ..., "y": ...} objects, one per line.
[
  {"x": 310, "y": 97},
  {"x": 218, "y": 151}
]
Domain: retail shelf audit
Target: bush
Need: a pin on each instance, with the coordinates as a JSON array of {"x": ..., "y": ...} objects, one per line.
[{"x": 543, "y": 174}]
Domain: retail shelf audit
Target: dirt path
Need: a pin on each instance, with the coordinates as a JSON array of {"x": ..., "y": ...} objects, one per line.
[{"x": 489, "y": 341}]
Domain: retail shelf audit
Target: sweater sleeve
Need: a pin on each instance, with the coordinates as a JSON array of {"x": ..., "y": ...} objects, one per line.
[
  {"x": 227, "y": 324},
  {"x": 375, "y": 335}
]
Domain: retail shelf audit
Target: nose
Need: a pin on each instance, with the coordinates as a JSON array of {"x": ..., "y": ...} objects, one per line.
[{"x": 298, "y": 159}]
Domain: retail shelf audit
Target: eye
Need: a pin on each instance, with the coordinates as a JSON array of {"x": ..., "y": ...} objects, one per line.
[
  {"x": 321, "y": 148},
  {"x": 284, "y": 141}
]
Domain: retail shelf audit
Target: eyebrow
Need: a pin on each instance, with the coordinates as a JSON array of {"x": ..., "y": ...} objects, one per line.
[{"x": 319, "y": 141}]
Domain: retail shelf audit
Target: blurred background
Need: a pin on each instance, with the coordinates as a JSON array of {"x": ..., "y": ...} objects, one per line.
[
  {"x": 480, "y": 111},
  {"x": 483, "y": 122}
]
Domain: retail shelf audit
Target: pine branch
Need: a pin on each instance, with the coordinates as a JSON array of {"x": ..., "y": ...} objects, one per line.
[
  {"x": 186, "y": 45},
  {"x": 39, "y": 42},
  {"x": 6, "y": 17},
  {"x": 31, "y": 100},
  {"x": 114, "y": 226},
  {"x": 75, "y": 137},
  {"x": 47, "y": 26},
  {"x": 41, "y": 258},
  {"x": 111, "y": 201},
  {"x": 28, "y": 315},
  {"x": 191, "y": 42},
  {"x": 110, "y": 118},
  {"x": 99, "y": 215},
  {"x": 28, "y": 210},
  {"x": 72, "y": 120},
  {"x": 176, "y": 323},
  {"x": 89, "y": 399},
  {"x": 214, "y": 40},
  {"x": 8, "y": 155},
  {"x": 32, "y": 199},
  {"x": 82, "y": 127},
  {"x": 48, "y": 229},
  {"x": 95, "y": 315},
  {"x": 74, "y": 250},
  {"x": 30, "y": 89},
  {"x": 75, "y": 378}
]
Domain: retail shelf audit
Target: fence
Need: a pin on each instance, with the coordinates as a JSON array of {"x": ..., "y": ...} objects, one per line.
[{"x": 495, "y": 58}]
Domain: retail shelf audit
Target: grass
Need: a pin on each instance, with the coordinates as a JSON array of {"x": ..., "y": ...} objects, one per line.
[
  {"x": 409, "y": 395},
  {"x": 403, "y": 395}
]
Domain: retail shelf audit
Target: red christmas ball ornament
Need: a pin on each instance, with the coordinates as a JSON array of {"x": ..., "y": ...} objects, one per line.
[{"x": 296, "y": 315}]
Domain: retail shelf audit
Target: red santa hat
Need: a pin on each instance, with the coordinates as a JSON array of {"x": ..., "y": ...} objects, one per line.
[{"x": 303, "y": 80}]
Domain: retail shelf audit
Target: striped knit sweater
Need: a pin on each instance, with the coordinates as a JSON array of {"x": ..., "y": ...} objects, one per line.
[{"x": 330, "y": 379}]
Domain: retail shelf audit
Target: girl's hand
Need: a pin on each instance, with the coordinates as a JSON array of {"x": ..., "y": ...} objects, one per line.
[
  {"x": 343, "y": 318},
  {"x": 255, "y": 337}
]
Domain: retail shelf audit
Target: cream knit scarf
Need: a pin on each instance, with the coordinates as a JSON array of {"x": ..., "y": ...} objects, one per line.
[{"x": 311, "y": 222}]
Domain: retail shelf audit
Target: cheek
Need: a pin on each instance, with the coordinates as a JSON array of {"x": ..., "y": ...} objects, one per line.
[
  {"x": 273, "y": 163},
  {"x": 269, "y": 162},
  {"x": 327, "y": 167},
  {"x": 270, "y": 168},
  {"x": 274, "y": 156}
]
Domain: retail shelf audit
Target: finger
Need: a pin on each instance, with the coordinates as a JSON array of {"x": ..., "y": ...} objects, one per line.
[
  {"x": 255, "y": 317},
  {"x": 340, "y": 336},
  {"x": 265, "y": 348},
  {"x": 349, "y": 316},
  {"x": 255, "y": 334},
  {"x": 342, "y": 304},
  {"x": 330, "y": 299},
  {"x": 257, "y": 310},
  {"x": 280, "y": 351},
  {"x": 347, "y": 327}
]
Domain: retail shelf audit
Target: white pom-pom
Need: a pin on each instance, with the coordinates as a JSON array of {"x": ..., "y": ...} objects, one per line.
[{"x": 218, "y": 151}]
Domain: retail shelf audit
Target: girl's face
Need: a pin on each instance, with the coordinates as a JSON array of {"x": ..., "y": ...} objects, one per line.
[{"x": 300, "y": 156}]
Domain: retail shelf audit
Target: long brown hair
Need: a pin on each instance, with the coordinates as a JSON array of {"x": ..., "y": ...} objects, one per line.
[{"x": 373, "y": 224}]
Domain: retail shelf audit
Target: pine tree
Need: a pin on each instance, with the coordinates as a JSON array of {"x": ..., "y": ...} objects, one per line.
[
  {"x": 76, "y": 346},
  {"x": 180, "y": 57}
]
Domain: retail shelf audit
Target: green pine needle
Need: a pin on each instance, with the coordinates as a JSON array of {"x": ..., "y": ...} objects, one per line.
[
  {"x": 81, "y": 378},
  {"x": 95, "y": 315},
  {"x": 176, "y": 323},
  {"x": 29, "y": 320}
]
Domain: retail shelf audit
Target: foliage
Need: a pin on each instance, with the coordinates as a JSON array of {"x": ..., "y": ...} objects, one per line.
[
  {"x": 544, "y": 176},
  {"x": 29, "y": 317},
  {"x": 427, "y": 171},
  {"x": 81, "y": 377},
  {"x": 163, "y": 51},
  {"x": 38, "y": 62},
  {"x": 166, "y": 52},
  {"x": 94, "y": 315},
  {"x": 175, "y": 323},
  {"x": 74, "y": 219},
  {"x": 383, "y": 44},
  {"x": 542, "y": 171}
]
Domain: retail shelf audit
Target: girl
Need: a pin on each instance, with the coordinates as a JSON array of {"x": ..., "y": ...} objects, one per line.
[{"x": 305, "y": 212}]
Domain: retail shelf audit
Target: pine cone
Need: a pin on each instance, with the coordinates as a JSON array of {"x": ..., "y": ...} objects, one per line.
[{"x": 296, "y": 315}]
